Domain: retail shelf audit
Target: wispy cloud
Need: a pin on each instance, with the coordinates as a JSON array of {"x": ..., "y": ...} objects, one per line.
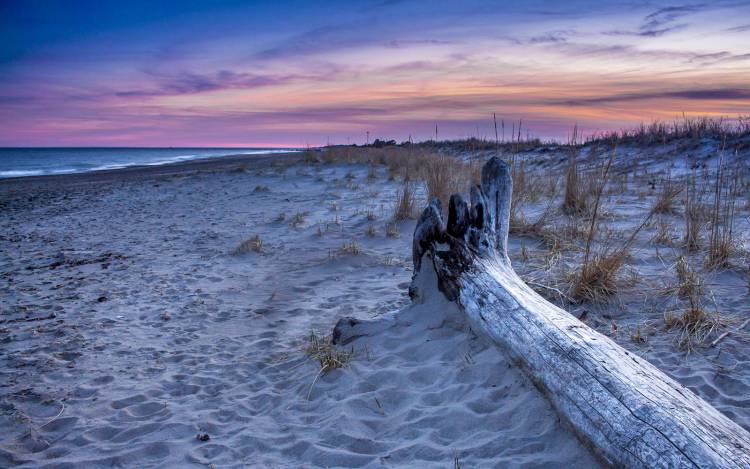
[
  {"x": 186, "y": 83},
  {"x": 192, "y": 83},
  {"x": 321, "y": 39},
  {"x": 739, "y": 29},
  {"x": 665, "y": 16},
  {"x": 628, "y": 51},
  {"x": 724, "y": 94},
  {"x": 406, "y": 43},
  {"x": 648, "y": 32},
  {"x": 661, "y": 21},
  {"x": 551, "y": 37}
]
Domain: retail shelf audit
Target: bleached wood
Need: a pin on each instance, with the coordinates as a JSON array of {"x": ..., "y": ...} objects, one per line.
[{"x": 628, "y": 411}]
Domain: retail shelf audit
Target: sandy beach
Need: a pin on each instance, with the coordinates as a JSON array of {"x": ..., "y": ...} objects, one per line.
[
  {"x": 137, "y": 331},
  {"x": 129, "y": 329}
]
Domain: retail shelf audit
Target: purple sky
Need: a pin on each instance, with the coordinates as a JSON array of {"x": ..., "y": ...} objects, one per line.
[{"x": 271, "y": 74}]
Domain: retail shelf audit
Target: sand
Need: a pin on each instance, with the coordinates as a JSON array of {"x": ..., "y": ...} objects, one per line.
[{"x": 130, "y": 328}]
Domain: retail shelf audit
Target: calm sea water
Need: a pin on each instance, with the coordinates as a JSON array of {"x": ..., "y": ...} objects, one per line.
[{"x": 16, "y": 162}]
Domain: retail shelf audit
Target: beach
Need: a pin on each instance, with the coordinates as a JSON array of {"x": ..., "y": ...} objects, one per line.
[
  {"x": 159, "y": 316},
  {"x": 132, "y": 329}
]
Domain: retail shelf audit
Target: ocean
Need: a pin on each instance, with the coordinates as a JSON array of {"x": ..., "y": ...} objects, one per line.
[{"x": 18, "y": 162}]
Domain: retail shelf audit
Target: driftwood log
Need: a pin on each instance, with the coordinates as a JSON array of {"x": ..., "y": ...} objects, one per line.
[{"x": 630, "y": 413}]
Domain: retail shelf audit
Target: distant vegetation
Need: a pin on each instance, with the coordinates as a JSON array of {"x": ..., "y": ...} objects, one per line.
[{"x": 657, "y": 132}]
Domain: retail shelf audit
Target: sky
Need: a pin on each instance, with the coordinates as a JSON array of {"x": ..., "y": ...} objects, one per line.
[{"x": 299, "y": 73}]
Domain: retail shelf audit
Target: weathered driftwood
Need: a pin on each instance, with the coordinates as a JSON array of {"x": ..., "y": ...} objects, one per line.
[{"x": 630, "y": 413}]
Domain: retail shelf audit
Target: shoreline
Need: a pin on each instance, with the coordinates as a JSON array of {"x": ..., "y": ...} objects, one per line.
[{"x": 142, "y": 172}]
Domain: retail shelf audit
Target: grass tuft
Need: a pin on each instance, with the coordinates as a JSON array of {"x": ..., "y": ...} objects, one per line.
[
  {"x": 406, "y": 202},
  {"x": 694, "y": 323},
  {"x": 596, "y": 280},
  {"x": 663, "y": 234},
  {"x": 574, "y": 198},
  {"x": 443, "y": 176},
  {"x": 391, "y": 230},
  {"x": 350, "y": 248},
  {"x": 690, "y": 285},
  {"x": 321, "y": 349},
  {"x": 253, "y": 244},
  {"x": 298, "y": 219},
  {"x": 664, "y": 202},
  {"x": 694, "y": 215},
  {"x": 721, "y": 236}
]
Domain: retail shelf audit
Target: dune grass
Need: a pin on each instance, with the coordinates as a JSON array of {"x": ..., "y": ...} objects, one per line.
[
  {"x": 253, "y": 244},
  {"x": 443, "y": 176},
  {"x": 350, "y": 248},
  {"x": 391, "y": 229},
  {"x": 598, "y": 276},
  {"x": 665, "y": 198},
  {"x": 405, "y": 206},
  {"x": 298, "y": 219},
  {"x": 574, "y": 199},
  {"x": 321, "y": 349},
  {"x": 721, "y": 235}
]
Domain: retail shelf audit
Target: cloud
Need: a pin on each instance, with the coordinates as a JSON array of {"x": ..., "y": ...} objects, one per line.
[
  {"x": 711, "y": 94},
  {"x": 416, "y": 65},
  {"x": 719, "y": 57},
  {"x": 380, "y": 5},
  {"x": 630, "y": 53},
  {"x": 405, "y": 43},
  {"x": 666, "y": 15},
  {"x": 14, "y": 100},
  {"x": 714, "y": 56},
  {"x": 625, "y": 51},
  {"x": 321, "y": 39},
  {"x": 660, "y": 22},
  {"x": 554, "y": 37},
  {"x": 551, "y": 37},
  {"x": 735, "y": 58},
  {"x": 739, "y": 29},
  {"x": 648, "y": 32},
  {"x": 193, "y": 83}
]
